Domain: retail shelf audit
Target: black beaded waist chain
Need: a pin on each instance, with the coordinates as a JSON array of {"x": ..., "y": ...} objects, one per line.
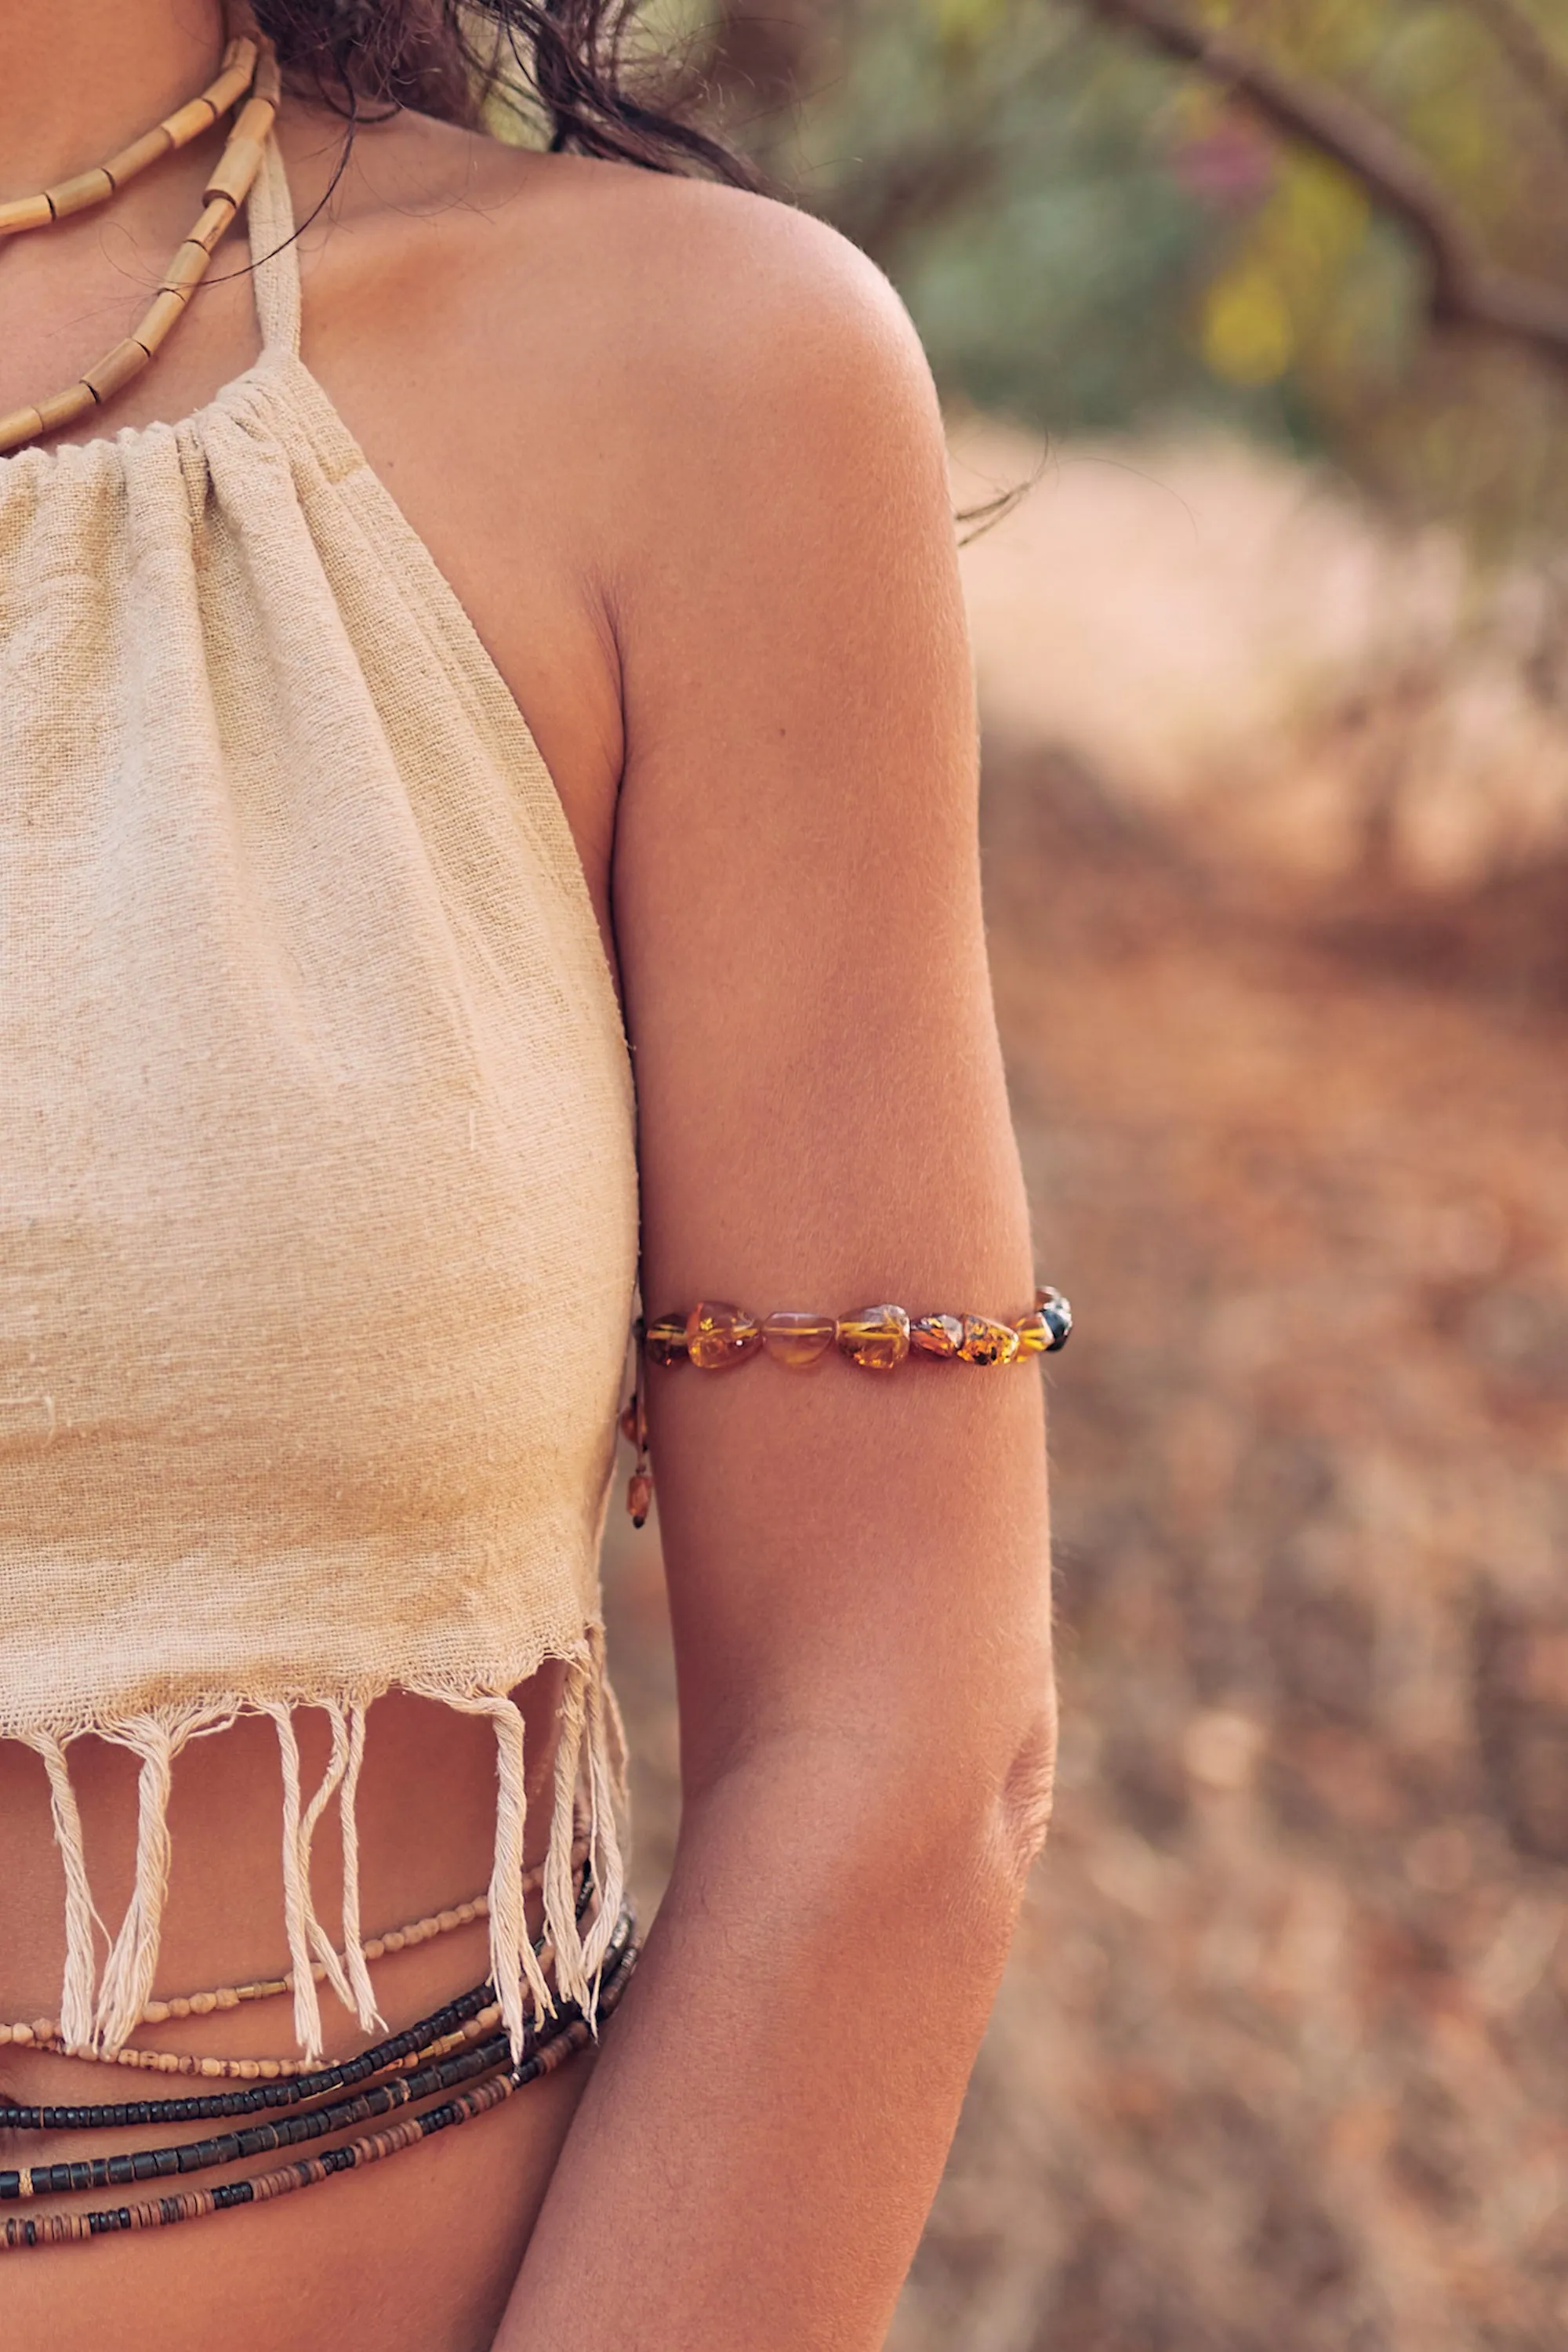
[{"x": 486, "y": 2064}]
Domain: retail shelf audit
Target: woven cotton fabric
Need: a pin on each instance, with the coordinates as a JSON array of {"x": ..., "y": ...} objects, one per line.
[{"x": 318, "y": 1204}]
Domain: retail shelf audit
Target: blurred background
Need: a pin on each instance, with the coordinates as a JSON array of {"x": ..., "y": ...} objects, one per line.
[{"x": 1264, "y": 305}]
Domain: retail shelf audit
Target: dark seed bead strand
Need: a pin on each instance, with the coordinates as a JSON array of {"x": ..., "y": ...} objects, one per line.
[
  {"x": 257, "y": 2140},
  {"x": 289, "y": 2090},
  {"x": 292, "y": 2090},
  {"x": 315, "y": 2123},
  {"x": 188, "y": 2205}
]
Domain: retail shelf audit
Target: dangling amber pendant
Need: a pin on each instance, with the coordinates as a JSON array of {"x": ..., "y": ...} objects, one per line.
[
  {"x": 666, "y": 1340},
  {"x": 937, "y": 1335},
  {"x": 639, "y": 1497},
  {"x": 718, "y": 1336},
  {"x": 798, "y": 1339},
  {"x": 877, "y": 1338},
  {"x": 985, "y": 1342}
]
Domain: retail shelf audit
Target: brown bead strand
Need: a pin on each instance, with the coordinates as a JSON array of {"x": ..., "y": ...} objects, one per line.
[
  {"x": 227, "y": 186},
  {"x": 44, "y": 2032}
]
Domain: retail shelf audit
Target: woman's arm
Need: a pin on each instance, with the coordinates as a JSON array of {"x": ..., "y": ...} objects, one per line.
[{"x": 857, "y": 1566}]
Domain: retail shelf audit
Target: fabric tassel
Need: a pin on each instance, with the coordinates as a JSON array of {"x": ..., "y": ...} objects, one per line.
[
  {"x": 128, "y": 1972},
  {"x": 606, "y": 1802},
  {"x": 513, "y": 1961},
  {"x": 327, "y": 1962},
  {"x": 296, "y": 1892},
  {"x": 81, "y": 1918},
  {"x": 560, "y": 1879},
  {"x": 364, "y": 2006}
]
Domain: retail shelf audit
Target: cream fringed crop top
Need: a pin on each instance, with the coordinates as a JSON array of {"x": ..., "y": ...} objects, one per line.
[{"x": 318, "y": 1200}]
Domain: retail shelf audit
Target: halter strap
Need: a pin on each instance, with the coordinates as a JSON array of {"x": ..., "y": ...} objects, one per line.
[{"x": 275, "y": 257}]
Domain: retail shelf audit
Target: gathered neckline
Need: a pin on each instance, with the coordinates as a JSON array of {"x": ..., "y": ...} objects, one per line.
[{"x": 272, "y": 364}]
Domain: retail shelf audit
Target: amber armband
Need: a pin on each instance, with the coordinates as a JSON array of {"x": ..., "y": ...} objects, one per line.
[{"x": 715, "y": 1335}]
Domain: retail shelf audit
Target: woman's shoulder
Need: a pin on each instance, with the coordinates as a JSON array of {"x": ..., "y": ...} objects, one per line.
[{"x": 575, "y": 292}]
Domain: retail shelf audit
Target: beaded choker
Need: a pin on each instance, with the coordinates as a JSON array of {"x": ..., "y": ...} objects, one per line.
[
  {"x": 248, "y": 71},
  {"x": 396, "y": 2073},
  {"x": 715, "y": 1336}
]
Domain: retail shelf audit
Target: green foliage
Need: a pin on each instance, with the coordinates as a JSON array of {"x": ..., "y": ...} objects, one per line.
[{"x": 1088, "y": 234}]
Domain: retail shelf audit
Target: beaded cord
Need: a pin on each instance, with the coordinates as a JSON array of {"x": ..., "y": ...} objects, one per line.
[
  {"x": 236, "y": 72},
  {"x": 311, "y": 2123},
  {"x": 260, "y": 2189},
  {"x": 287, "y": 2090},
  {"x": 716, "y": 1336},
  {"x": 45, "y": 2033},
  {"x": 231, "y": 2070}
]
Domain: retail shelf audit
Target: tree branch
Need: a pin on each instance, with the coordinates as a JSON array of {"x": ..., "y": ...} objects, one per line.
[
  {"x": 1532, "y": 56},
  {"x": 1467, "y": 289}
]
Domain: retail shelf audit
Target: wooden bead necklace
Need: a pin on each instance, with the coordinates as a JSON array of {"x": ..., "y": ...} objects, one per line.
[
  {"x": 44, "y": 2032},
  {"x": 716, "y": 1336},
  {"x": 249, "y": 64},
  {"x": 476, "y": 2008},
  {"x": 488, "y": 2066}
]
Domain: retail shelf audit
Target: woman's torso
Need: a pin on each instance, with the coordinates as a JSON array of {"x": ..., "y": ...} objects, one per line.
[{"x": 420, "y": 2252}]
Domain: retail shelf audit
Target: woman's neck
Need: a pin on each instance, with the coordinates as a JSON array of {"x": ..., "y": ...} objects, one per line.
[{"x": 80, "y": 78}]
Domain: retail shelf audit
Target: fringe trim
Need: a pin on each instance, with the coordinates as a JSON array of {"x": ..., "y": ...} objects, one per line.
[
  {"x": 100, "y": 2012},
  {"x": 76, "y": 2020}
]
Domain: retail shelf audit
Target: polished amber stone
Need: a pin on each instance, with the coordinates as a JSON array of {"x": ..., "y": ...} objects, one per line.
[
  {"x": 798, "y": 1339},
  {"x": 1034, "y": 1333},
  {"x": 639, "y": 1497},
  {"x": 718, "y": 1335},
  {"x": 937, "y": 1335},
  {"x": 877, "y": 1338},
  {"x": 666, "y": 1340},
  {"x": 985, "y": 1342}
]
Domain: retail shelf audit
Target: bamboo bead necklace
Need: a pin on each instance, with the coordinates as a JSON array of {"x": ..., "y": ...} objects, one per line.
[{"x": 249, "y": 64}]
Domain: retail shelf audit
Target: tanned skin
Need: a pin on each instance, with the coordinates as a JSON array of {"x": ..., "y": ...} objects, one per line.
[{"x": 677, "y": 451}]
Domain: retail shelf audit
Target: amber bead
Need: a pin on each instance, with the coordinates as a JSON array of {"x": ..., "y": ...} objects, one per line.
[
  {"x": 718, "y": 1335},
  {"x": 798, "y": 1339},
  {"x": 937, "y": 1335},
  {"x": 877, "y": 1338},
  {"x": 1035, "y": 1334},
  {"x": 666, "y": 1340},
  {"x": 985, "y": 1342},
  {"x": 639, "y": 1497}
]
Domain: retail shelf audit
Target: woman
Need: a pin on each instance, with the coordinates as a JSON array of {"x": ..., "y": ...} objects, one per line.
[{"x": 319, "y": 1210}]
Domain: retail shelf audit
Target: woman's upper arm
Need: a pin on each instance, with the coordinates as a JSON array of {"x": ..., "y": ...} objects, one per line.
[{"x": 823, "y": 1117}]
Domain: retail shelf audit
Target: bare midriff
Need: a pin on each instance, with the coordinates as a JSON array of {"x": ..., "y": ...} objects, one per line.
[{"x": 419, "y": 2252}]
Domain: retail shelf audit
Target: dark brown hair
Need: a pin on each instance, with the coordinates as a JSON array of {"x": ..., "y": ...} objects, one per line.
[{"x": 459, "y": 58}]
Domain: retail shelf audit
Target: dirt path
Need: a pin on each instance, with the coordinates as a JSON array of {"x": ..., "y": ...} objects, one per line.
[{"x": 1281, "y": 2065}]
